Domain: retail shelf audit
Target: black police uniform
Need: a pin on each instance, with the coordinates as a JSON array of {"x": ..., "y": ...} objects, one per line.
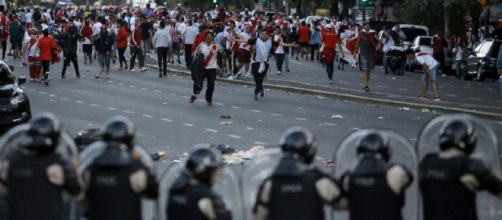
[
  {"x": 444, "y": 195},
  {"x": 29, "y": 186},
  {"x": 185, "y": 196},
  {"x": 293, "y": 193},
  {"x": 110, "y": 192},
  {"x": 369, "y": 193}
]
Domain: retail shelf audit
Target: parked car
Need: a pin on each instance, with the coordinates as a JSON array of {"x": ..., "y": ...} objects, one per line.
[
  {"x": 424, "y": 43},
  {"x": 412, "y": 31},
  {"x": 482, "y": 63},
  {"x": 14, "y": 103}
]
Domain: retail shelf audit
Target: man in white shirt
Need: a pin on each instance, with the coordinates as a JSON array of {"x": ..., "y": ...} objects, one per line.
[
  {"x": 429, "y": 67},
  {"x": 244, "y": 55},
  {"x": 189, "y": 34}
]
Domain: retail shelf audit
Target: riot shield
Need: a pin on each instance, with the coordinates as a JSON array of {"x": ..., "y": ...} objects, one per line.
[
  {"x": 227, "y": 186},
  {"x": 11, "y": 143},
  {"x": 253, "y": 175},
  {"x": 402, "y": 152},
  {"x": 486, "y": 150},
  {"x": 90, "y": 153}
]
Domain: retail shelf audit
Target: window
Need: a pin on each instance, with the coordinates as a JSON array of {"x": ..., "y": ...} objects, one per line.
[
  {"x": 425, "y": 41},
  {"x": 412, "y": 33},
  {"x": 5, "y": 76}
]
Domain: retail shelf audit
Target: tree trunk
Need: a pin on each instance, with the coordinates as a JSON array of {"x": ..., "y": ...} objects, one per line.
[
  {"x": 334, "y": 8},
  {"x": 299, "y": 6},
  {"x": 446, "y": 13}
]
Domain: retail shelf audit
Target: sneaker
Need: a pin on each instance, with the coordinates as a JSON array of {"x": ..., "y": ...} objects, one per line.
[
  {"x": 443, "y": 75},
  {"x": 330, "y": 81},
  {"x": 436, "y": 99},
  {"x": 160, "y": 75},
  {"x": 248, "y": 75},
  {"x": 209, "y": 103},
  {"x": 192, "y": 99},
  {"x": 179, "y": 61},
  {"x": 96, "y": 76},
  {"x": 237, "y": 75},
  {"x": 366, "y": 89},
  {"x": 231, "y": 77},
  {"x": 132, "y": 70},
  {"x": 143, "y": 69},
  {"x": 279, "y": 72},
  {"x": 422, "y": 97}
]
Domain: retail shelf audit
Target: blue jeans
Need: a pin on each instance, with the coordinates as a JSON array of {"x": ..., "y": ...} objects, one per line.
[{"x": 458, "y": 66}]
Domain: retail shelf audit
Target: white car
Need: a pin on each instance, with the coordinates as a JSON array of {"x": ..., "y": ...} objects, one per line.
[
  {"x": 411, "y": 31},
  {"x": 424, "y": 43}
]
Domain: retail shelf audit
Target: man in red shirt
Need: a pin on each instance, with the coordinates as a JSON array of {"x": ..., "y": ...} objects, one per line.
[
  {"x": 438, "y": 45},
  {"x": 47, "y": 45},
  {"x": 4, "y": 32},
  {"x": 304, "y": 38},
  {"x": 330, "y": 41},
  {"x": 86, "y": 32},
  {"x": 135, "y": 48},
  {"x": 122, "y": 42}
]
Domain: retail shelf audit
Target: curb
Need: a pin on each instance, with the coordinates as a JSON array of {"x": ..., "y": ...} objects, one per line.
[{"x": 356, "y": 98}]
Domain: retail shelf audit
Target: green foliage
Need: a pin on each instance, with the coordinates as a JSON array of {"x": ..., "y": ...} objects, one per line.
[{"x": 431, "y": 14}]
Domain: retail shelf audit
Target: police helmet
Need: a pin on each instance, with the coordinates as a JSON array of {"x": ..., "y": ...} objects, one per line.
[
  {"x": 374, "y": 143},
  {"x": 203, "y": 162},
  {"x": 299, "y": 142},
  {"x": 119, "y": 129},
  {"x": 44, "y": 132},
  {"x": 458, "y": 134}
]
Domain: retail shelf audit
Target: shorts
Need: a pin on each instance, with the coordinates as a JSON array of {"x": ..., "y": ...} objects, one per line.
[
  {"x": 432, "y": 75},
  {"x": 16, "y": 45},
  {"x": 176, "y": 46},
  {"x": 244, "y": 56},
  {"x": 306, "y": 45},
  {"x": 87, "y": 48},
  {"x": 365, "y": 62}
]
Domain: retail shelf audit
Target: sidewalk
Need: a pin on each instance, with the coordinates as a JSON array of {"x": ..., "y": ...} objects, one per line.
[{"x": 308, "y": 77}]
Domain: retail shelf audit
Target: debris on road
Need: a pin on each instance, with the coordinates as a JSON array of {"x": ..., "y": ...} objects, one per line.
[
  {"x": 404, "y": 108},
  {"x": 336, "y": 116},
  {"x": 425, "y": 110},
  {"x": 226, "y": 117},
  {"x": 320, "y": 97},
  {"x": 226, "y": 123},
  {"x": 381, "y": 117}
]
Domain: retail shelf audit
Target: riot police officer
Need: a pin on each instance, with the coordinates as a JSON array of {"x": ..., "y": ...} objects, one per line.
[
  {"x": 450, "y": 178},
  {"x": 117, "y": 178},
  {"x": 375, "y": 188},
  {"x": 191, "y": 196},
  {"x": 296, "y": 189},
  {"x": 34, "y": 176}
]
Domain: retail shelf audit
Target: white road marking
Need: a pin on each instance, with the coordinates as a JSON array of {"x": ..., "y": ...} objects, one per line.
[
  {"x": 122, "y": 84},
  {"x": 211, "y": 130},
  {"x": 109, "y": 81},
  {"x": 276, "y": 114},
  {"x": 128, "y": 112},
  {"x": 260, "y": 143},
  {"x": 157, "y": 91},
  {"x": 111, "y": 108},
  {"x": 234, "y": 136},
  {"x": 354, "y": 128},
  {"x": 188, "y": 124},
  {"x": 144, "y": 89},
  {"x": 380, "y": 86},
  {"x": 329, "y": 124},
  {"x": 63, "y": 98},
  {"x": 52, "y": 95},
  {"x": 219, "y": 103},
  {"x": 132, "y": 86},
  {"x": 236, "y": 107},
  {"x": 95, "y": 105},
  {"x": 52, "y": 100},
  {"x": 185, "y": 97},
  {"x": 173, "y": 94},
  {"x": 254, "y": 110},
  {"x": 474, "y": 98},
  {"x": 301, "y": 119},
  {"x": 147, "y": 116},
  {"x": 166, "y": 120},
  {"x": 41, "y": 92},
  {"x": 79, "y": 102}
]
